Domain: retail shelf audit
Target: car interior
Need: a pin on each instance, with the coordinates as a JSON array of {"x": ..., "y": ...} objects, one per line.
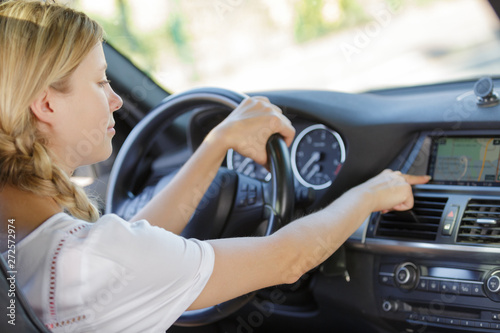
[{"x": 434, "y": 268}]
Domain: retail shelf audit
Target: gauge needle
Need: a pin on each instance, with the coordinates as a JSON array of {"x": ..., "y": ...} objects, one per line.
[
  {"x": 313, "y": 171},
  {"x": 244, "y": 164},
  {"x": 314, "y": 158}
]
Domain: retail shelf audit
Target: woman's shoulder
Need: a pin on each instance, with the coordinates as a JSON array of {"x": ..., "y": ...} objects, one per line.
[
  {"x": 62, "y": 225},
  {"x": 65, "y": 223}
]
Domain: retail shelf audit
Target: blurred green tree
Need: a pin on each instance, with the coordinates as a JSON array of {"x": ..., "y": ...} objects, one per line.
[{"x": 314, "y": 19}]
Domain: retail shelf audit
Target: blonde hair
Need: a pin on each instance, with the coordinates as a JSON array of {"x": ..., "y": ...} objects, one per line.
[{"x": 41, "y": 45}]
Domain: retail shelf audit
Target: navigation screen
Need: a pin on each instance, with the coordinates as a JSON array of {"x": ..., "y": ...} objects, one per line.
[{"x": 465, "y": 161}]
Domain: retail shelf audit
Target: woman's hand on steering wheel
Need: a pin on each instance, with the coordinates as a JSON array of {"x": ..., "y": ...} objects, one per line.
[{"x": 249, "y": 126}]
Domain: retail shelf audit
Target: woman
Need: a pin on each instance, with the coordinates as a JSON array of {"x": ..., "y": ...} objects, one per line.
[{"x": 83, "y": 276}]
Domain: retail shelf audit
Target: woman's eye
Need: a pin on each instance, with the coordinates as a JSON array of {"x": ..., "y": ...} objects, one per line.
[{"x": 103, "y": 83}]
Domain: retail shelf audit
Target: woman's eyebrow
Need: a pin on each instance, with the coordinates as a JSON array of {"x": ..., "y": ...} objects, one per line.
[{"x": 103, "y": 67}]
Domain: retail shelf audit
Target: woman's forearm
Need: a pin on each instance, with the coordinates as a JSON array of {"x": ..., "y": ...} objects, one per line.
[
  {"x": 316, "y": 237},
  {"x": 173, "y": 206}
]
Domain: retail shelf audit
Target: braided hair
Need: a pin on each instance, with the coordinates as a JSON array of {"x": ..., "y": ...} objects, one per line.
[{"x": 41, "y": 45}]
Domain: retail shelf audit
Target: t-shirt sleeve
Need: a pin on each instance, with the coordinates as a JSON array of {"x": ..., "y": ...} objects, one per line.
[{"x": 140, "y": 277}]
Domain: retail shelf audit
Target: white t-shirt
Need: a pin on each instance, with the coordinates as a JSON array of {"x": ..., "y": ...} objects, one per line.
[{"x": 111, "y": 275}]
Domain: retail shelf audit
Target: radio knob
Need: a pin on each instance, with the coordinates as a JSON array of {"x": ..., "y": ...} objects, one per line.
[
  {"x": 390, "y": 306},
  {"x": 493, "y": 283},
  {"x": 406, "y": 275}
]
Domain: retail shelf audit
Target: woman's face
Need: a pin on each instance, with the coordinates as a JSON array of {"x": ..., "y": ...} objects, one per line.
[{"x": 82, "y": 131}]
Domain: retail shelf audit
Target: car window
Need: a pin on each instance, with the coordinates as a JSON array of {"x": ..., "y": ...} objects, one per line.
[{"x": 346, "y": 45}]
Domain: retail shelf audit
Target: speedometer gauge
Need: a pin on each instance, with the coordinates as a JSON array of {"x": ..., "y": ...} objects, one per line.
[
  {"x": 246, "y": 166},
  {"x": 318, "y": 154}
]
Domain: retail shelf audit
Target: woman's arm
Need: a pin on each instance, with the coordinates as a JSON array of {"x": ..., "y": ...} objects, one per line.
[
  {"x": 246, "y": 264},
  {"x": 246, "y": 130}
]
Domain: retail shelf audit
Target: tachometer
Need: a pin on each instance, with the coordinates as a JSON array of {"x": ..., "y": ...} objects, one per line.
[
  {"x": 318, "y": 154},
  {"x": 246, "y": 166}
]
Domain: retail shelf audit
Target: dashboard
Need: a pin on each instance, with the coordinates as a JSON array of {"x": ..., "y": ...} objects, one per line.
[{"x": 435, "y": 268}]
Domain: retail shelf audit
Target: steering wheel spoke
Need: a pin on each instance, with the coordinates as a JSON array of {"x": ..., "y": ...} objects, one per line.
[{"x": 248, "y": 208}]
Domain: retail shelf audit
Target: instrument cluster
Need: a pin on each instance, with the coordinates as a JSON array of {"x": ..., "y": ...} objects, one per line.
[{"x": 317, "y": 156}]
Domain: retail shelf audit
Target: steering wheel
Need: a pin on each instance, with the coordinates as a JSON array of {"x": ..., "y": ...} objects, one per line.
[{"x": 234, "y": 203}]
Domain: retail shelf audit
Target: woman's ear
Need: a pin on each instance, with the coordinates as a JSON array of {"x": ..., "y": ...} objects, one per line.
[{"x": 41, "y": 107}]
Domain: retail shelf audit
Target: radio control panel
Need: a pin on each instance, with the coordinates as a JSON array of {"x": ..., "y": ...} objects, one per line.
[{"x": 428, "y": 294}]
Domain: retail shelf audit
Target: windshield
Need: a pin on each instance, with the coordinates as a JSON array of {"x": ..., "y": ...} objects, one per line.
[{"x": 344, "y": 45}]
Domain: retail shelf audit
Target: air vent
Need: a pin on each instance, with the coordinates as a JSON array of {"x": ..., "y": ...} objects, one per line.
[
  {"x": 480, "y": 223},
  {"x": 420, "y": 223}
]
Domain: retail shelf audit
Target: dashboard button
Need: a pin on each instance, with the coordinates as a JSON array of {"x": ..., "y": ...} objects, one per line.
[
  {"x": 455, "y": 287},
  {"x": 465, "y": 289},
  {"x": 445, "y": 286},
  {"x": 386, "y": 280},
  {"x": 422, "y": 317},
  {"x": 493, "y": 284},
  {"x": 482, "y": 324},
  {"x": 406, "y": 275},
  {"x": 390, "y": 306},
  {"x": 413, "y": 316},
  {"x": 449, "y": 287},
  {"x": 386, "y": 306},
  {"x": 449, "y": 220},
  {"x": 477, "y": 290},
  {"x": 422, "y": 284},
  {"x": 403, "y": 275},
  {"x": 433, "y": 285},
  {"x": 467, "y": 323}
]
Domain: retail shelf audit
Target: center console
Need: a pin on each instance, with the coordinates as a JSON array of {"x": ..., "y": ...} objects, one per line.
[{"x": 438, "y": 265}]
